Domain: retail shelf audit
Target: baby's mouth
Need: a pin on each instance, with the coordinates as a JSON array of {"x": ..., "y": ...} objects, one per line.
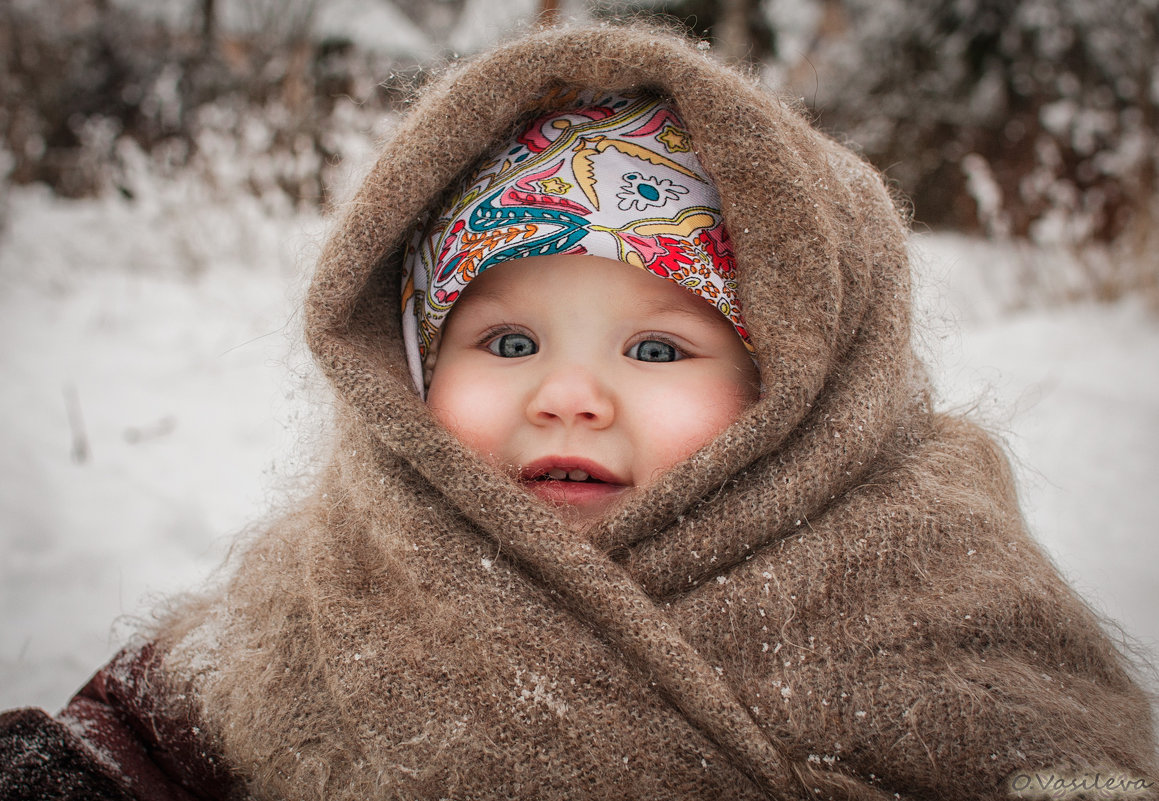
[
  {"x": 559, "y": 474},
  {"x": 573, "y": 482},
  {"x": 568, "y": 469}
]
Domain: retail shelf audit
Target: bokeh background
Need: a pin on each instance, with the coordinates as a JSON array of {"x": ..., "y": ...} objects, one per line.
[{"x": 168, "y": 169}]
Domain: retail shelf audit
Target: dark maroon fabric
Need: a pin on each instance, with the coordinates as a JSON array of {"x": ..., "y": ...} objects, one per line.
[
  {"x": 41, "y": 759},
  {"x": 110, "y": 742}
]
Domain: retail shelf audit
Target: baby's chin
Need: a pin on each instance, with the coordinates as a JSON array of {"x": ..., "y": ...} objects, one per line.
[{"x": 584, "y": 515}]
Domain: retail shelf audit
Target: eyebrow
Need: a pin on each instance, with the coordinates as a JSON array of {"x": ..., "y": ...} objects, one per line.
[
  {"x": 483, "y": 292},
  {"x": 665, "y": 306},
  {"x": 647, "y": 306}
]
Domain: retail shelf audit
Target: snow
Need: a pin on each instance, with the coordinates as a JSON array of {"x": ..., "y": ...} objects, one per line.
[
  {"x": 377, "y": 27},
  {"x": 169, "y": 328},
  {"x": 1073, "y": 390},
  {"x": 186, "y": 380},
  {"x": 484, "y": 21}
]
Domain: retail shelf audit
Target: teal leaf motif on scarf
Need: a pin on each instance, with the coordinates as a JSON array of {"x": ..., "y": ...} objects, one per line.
[{"x": 488, "y": 216}]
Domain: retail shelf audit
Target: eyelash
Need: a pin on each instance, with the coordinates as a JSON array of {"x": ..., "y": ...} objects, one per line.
[
  {"x": 499, "y": 330},
  {"x": 655, "y": 336}
]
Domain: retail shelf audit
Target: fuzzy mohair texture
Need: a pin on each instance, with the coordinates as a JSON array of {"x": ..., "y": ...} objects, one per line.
[{"x": 835, "y": 598}]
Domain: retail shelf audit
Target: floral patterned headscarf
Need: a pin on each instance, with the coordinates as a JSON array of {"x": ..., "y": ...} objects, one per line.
[{"x": 604, "y": 175}]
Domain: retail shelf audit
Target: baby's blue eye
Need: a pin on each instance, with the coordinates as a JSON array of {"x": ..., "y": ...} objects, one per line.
[
  {"x": 512, "y": 346},
  {"x": 653, "y": 350}
]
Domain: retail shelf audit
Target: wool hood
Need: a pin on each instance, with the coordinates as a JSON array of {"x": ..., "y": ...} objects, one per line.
[{"x": 835, "y": 598}]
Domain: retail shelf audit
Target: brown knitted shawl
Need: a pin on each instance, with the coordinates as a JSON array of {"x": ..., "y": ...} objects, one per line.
[{"x": 835, "y": 598}]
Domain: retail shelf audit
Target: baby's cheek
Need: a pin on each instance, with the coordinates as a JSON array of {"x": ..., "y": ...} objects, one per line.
[
  {"x": 472, "y": 410},
  {"x": 679, "y": 420}
]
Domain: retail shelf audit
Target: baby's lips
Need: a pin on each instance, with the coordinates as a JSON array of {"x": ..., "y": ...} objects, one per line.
[
  {"x": 583, "y": 495},
  {"x": 595, "y": 470}
]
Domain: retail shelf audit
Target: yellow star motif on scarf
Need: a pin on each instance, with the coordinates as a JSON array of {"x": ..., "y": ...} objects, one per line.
[
  {"x": 675, "y": 141},
  {"x": 554, "y": 186}
]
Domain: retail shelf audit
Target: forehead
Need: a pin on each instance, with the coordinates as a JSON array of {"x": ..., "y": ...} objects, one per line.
[{"x": 533, "y": 281}]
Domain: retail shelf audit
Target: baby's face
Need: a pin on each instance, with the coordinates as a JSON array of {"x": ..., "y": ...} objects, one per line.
[{"x": 584, "y": 377}]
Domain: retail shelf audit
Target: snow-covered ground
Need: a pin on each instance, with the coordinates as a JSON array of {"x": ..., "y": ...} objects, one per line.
[{"x": 154, "y": 399}]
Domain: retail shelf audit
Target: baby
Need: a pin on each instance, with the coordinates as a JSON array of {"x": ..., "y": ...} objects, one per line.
[
  {"x": 619, "y": 377},
  {"x": 639, "y": 496},
  {"x": 593, "y": 370}
]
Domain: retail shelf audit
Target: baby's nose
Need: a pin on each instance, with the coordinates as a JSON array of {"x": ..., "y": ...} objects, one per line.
[{"x": 572, "y": 395}]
